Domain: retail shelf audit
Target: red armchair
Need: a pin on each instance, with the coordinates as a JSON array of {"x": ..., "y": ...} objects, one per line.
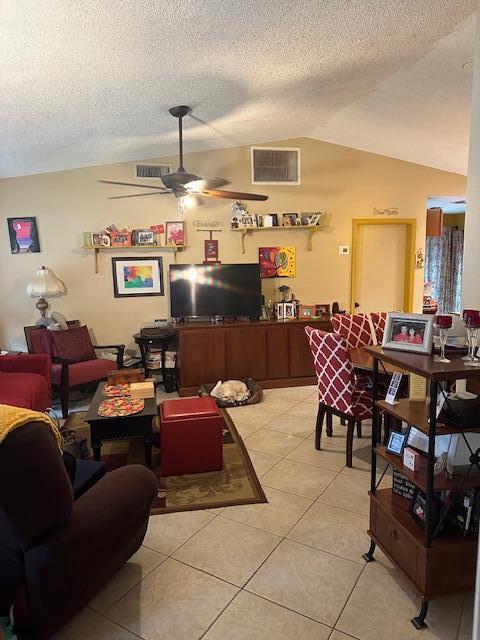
[
  {"x": 68, "y": 372},
  {"x": 25, "y": 381}
]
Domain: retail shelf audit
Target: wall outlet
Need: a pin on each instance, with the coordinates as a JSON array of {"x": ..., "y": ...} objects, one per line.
[{"x": 343, "y": 250}]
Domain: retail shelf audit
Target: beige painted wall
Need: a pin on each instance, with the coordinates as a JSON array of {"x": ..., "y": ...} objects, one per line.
[{"x": 346, "y": 183}]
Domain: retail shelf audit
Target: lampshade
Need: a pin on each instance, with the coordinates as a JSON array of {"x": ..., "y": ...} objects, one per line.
[{"x": 46, "y": 285}]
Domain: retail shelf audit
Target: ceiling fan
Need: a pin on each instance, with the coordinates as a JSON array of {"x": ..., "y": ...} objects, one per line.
[{"x": 183, "y": 184}]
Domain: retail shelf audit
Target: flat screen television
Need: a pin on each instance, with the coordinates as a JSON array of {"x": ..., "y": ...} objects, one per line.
[{"x": 205, "y": 290}]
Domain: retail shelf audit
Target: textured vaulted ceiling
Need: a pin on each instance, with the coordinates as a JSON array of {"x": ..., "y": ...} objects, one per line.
[{"x": 90, "y": 82}]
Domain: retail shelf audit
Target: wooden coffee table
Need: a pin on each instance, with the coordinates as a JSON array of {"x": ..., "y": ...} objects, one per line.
[{"x": 138, "y": 425}]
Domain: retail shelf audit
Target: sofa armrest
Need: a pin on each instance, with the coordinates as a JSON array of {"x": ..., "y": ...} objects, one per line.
[
  {"x": 28, "y": 363},
  {"x": 120, "y": 348}
]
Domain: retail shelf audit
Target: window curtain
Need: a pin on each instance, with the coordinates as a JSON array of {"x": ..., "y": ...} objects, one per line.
[{"x": 443, "y": 268}]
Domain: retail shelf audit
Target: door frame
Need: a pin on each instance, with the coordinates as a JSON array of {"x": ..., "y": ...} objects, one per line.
[{"x": 411, "y": 228}]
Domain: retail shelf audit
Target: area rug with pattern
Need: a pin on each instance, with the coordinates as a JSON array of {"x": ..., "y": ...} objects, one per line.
[{"x": 235, "y": 484}]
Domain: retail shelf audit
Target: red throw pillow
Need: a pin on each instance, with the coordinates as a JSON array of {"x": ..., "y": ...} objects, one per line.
[{"x": 73, "y": 344}]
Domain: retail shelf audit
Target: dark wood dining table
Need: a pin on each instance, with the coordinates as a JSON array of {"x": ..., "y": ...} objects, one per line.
[{"x": 364, "y": 361}]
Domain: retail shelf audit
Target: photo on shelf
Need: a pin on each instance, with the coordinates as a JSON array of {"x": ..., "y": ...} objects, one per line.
[
  {"x": 290, "y": 220},
  {"x": 143, "y": 237},
  {"x": 175, "y": 233},
  {"x": 409, "y": 332}
]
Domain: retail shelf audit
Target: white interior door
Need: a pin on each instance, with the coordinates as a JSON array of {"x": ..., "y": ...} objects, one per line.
[{"x": 380, "y": 267}]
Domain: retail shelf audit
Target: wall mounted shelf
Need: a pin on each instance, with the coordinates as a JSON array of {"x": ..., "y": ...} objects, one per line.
[
  {"x": 134, "y": 248},
  {"x": 310, "y": 229}
]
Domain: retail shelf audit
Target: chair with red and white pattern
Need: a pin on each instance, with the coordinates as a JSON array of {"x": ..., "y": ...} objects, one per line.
[
  {"x": 337, "y": 389},
  {"x": 379, "y": 320},
  {"x": 355, "y": 328}
]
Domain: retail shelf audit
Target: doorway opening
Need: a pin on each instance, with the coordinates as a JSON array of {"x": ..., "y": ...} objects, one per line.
[
  {"x": 444, "y": 254},
  {"x": 382, "y": 264}
]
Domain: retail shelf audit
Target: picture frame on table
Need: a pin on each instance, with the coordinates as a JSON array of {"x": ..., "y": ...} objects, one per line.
[
  {"x": 409, "y": 332},
  {"x": 285, "y": 310},
  {"x": 397, "y": 442},
  {"x": 307, "y": 311},
  {"x": 175, "y": 233},
  {"x": 136, "y": 277},
  {"x": 418, "y": 509},
  {"x": 322, "y": 310}
]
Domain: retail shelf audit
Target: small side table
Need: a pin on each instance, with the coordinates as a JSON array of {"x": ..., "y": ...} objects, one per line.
[{"x": 159, "y": 342}]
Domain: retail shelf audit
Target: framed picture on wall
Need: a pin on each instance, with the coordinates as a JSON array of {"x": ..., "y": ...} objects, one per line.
[
  {"x": 23, "y": 234},
  {"x": 134, "y": 277},
  {"x": 175, "y": 233}
]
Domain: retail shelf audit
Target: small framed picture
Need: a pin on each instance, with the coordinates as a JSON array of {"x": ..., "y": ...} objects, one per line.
[
  {"x": 175, "y": 234},
  {"x": 306, "y": 311},
  {"x": 290, "y": 220},
  {"x": 211, "y": 250},
  {"x": 289, "y": 310},
  {"x": 322, "y": 309},
  {"x": 397, "y": 442},
  {"x": 309, "y": 219},
  {"x": 23, "y": 234},
  {"x": 143, "y": 236},
  {"x": 97, "y": 239},
  {"x": 418, "y": 508},
  {"x": 409, "y": 332},
  {"x": 120, "y": 239}
]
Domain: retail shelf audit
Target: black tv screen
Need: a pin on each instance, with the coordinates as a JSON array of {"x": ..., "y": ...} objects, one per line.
[{"x": 215, "y": 290}]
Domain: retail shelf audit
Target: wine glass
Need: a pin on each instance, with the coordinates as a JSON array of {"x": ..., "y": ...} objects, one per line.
[
  {"x": 443, "y": 323},
  {"x": 470, "y": 317},
  {"x": 474, "y": 326}
]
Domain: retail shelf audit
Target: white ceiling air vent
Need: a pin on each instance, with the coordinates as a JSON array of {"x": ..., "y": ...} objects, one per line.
[
  {"x": 275, "y": 165},
  {"x": 151, "y": 171}
]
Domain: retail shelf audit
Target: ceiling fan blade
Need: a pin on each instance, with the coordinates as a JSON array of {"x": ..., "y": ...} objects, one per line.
[
  {"x": 132, "y": 184},
  {"x": 138, "y": 195},
  {"x": 231, "y": 195},
  {"x": 207, "y": 183}
]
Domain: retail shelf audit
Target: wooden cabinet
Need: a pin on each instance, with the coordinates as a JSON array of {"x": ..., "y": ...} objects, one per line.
[
  {"x": 246, "y": 350},
  {"x": 275, "y": 354},
  {"x": 202, "y": 357}
]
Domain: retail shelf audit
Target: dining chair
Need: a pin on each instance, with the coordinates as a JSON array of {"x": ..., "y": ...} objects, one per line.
[
  {"x": 379, "y": 320},
  {"x": 338, "y": 390}
]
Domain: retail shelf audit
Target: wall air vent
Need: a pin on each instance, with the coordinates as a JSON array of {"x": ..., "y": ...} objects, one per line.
[
  {"x": 151, "y": 171},
  {"x": 275, "y": 165}
]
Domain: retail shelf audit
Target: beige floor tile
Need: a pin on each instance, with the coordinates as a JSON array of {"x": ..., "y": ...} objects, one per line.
[
  {"x": 312, "y": 399},
  {"x": 298, "y": 478},
  {"x": 244, "y": 427},
  {"x": 168, "y": 531},
  {"x": 300, "y": 426},
  {"x": 332, "y": 458},
  {"x": 103, "y": 629},
  {"x": 276, "y": 402},
  {"x": 77, "y": 625},
  {"x": 382, "y": 605},
  {"x": 273, "y": 442},
  {"x": 249, "y": 617},
  {"x": 175, "y": 601},
  {"x": 278, "y": 516},
  {"x": 348, "y": 492},
  {"x": 309, "y": 581},
  {"x": 338, "y": 635},
  {"x": 337, "y": 531},
  {"x": 227, "y": 549},
  {"x": 257, "y": 414},
  {"x": 304, "y": 410},
  {"x": 139, "y": 565},
  {"x": 262, "y": 462}
]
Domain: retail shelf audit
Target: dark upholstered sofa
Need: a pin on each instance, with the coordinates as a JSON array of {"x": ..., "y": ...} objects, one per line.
[
  {"x": 25, "y": 381},
  {"x": 56, "y": 553}
]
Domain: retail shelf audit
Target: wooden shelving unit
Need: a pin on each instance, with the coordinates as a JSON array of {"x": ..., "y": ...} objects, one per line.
[
  {"x": 133, "y": 248},
  {"x": 310, "y": 229},
  {"x": 434, "y": 565}
]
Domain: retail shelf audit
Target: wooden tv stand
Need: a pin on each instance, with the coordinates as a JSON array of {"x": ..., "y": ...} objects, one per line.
[{"x": 273, "y": 353}]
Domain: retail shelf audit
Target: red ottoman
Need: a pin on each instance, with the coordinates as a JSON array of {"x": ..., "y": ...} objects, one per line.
[{"x": 191, "y": 438}]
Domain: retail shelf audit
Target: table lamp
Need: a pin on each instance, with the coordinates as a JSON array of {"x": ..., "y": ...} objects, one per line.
[{"x": 45, "y": 285}]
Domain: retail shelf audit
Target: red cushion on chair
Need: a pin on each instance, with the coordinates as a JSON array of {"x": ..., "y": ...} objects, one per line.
[
  {"x": 83, "y": 372},
  {"x": 189, "y": 408},
  {"x": 73, "y": 344}
]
